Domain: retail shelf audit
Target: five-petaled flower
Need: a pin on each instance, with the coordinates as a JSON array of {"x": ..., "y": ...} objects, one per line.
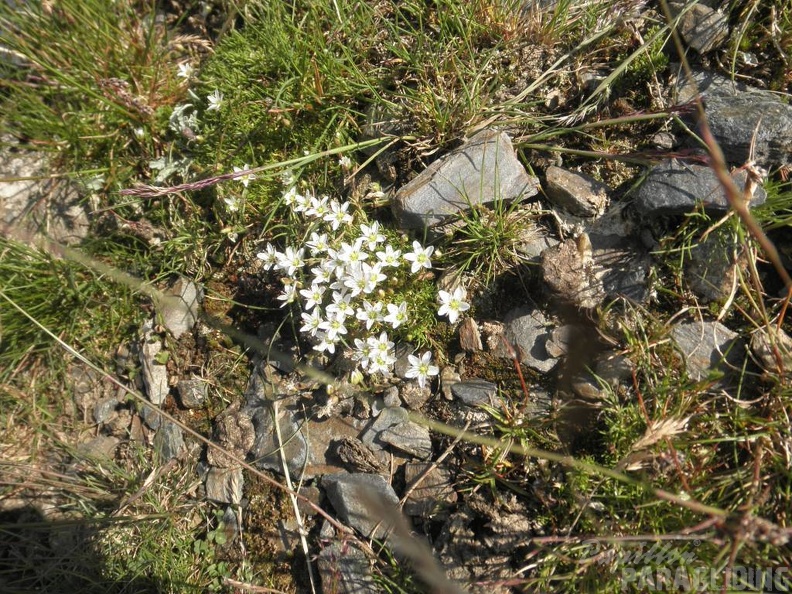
[
  {"x": 215, "y": 100},
  {"x": 245, "y": 179},
  {"x": 419, "y": 257},
  {"x": 421, "y": 368},
  {"x": 452, "y": 304}
]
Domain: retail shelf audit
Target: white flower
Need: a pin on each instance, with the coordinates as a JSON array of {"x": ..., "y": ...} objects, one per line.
[
  {"x": 333, "y": 327},
  {"x": 313, "y": 296},
  {"x": 301, "y": 203},
  {"x": 397, "y": 315},
  {"x": 421, "y": 368},
  {"x": 323, "y": 273},
  {"x": 215, "y": 100},
  {"x": 352, "y": 255},
  {"x": 369, "y": 313},
  {"x": 371, "y": 235},
  {"x": 326, "y": 343},
  {"x": 452, "y": 304},
  {"x": 289, "y": 294},
  {"x": 345, "y": 162},
  {"x": 363, "y": 279},
  {"x": 185, "y": 70},
  {"x": 381, "y": 345},
  {"x": 312, "y": 321},
  {"x": 319, "y": 207},
  {"x": 338, "y": 215},
  {"x": 270, "y": 256},
  {"x": 245, "y": 179},
  {"x": 232, "y": 204},
  {"x": 419, "y": 257},
  {"x": 362, "y": 352},
  {"x": 389, "y": 257},
  {"x": 290, "y": 196},
  {"x": 291, "y": 261},
  {"x": 318, "y": 243},
  {"x": 341, "y": 305}
]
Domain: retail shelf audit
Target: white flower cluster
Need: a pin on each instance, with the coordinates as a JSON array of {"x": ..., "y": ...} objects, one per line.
[{"x": 339, "y": 276}]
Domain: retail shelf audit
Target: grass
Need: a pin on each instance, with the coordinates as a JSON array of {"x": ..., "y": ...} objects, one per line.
[{"x": 97, "y": 87}]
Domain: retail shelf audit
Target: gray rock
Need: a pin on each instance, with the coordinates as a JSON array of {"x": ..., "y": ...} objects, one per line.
[
  {"x": 151, "y": 416},
  {"x": 578, "y": 193},
  {"x": 703, "y": 28},
  {"x": 225, "y": 484},
  {"x": 470, "y": 335},
  {"x": 192, "y": 392},
  {"x": 482, "y": 171},
  {"x": 155, "y": 375},
  {"x": 614, "y": 368},
  {"x": 34, "y": 204},
  {"x": 475, "y": 392},
  {"x": 105, "y": 409},
  {"x": 621, "y": 264},
  {"x": 708, "y": 347},
  {"x": 344, "y": 569},
  {"x": 773, "y": 349},
  {"x": 711, "y": 271},
  {"x": 433, "y": 495},
  {"x": 393, "y": 427},
  {"x": 101, "y": 447},
  {"x": 179, "y": 308},
  {"x": 527, "y": 332},
  {"x": 266, "y": 450},
  {"x": 169, "y": 441},
  {"x": 558, "y": 343},
  {"x": 350, "y": 495},
  {"x": 413, "y": 395},
  {"x": 674, "y": 188},
  {"x": 734, "y": 119}
]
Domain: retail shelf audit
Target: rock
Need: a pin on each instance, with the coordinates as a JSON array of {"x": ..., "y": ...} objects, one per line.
[
  {"x": 105, "y": 409},
  {"x": 169, "y": 441},
  {"x": 526, "y": 330},
  {"x": 192, "y": 392},
  {"x": 34, "y": 204},
  {"x": 475, "y": 392},
  {"x": 483, "y": 170},
  {"x": 703, "y": 28},
  {"x": 179, "y": 308},
  {"x": 614, "y": 368},
  {"x": 224, "y": 485},
  {"x": 350, "y": 493},
  {"x": 233, "y": 431},
  {"x": 571, "y": 274},
  {"x": 151, "y": 416},
  {"x": 390, "y": 397},
  {"x": 707, "y": 347},
  {"x": 413, "y": 396},
  {"x": 344, "y": 569},
  {"x": 448, "y": 377},
  {"x": 773, "y": 349},
  {"x": 469, "y": 335},
  {"x": 433, "y": 495},
  {"x": 733, "y": 121},
  {"x": 735, "y": 111},
  {"x": 356, "y": 456},
  {"x": 674, "y": 188},
  {"x": 578, "y": 193},
  {"x": 711, "y": 271},
  {"x": 101, "y": 447},
  {"x": 155, "y": 374},
  {"x": 622, "y": 266},
  {"x": 560, "y": 339},
  {"x": 393, "y": 427}
]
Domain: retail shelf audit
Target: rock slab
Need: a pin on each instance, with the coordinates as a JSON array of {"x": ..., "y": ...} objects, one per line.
[
  {"x": 484, "y": 170},
  {"x": 352, "y": 495}
]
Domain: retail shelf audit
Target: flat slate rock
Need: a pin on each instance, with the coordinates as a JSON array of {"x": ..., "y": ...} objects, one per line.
[
  {"x": 675, "y": 188},
  {"x": 350, "y": 495},
  {"x": 224, "y": 485},
  {"x": 475, "y": 391},
  {"x": 527, "y": 331},
  {"x": 707, "y": 347},
  {"x": 483, "y": 170},
  {"x": 433, "y": 495},
  {"x": 394, "y": 428},
  {"x": 344, "y": 569},
  {"x": 576, "y": 192},
  {"x": 179, "y": 308},
  {"x": 169, "y": 440}
]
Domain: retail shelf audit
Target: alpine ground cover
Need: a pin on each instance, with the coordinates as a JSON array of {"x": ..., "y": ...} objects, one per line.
[{"x": 119, "y": 94}]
